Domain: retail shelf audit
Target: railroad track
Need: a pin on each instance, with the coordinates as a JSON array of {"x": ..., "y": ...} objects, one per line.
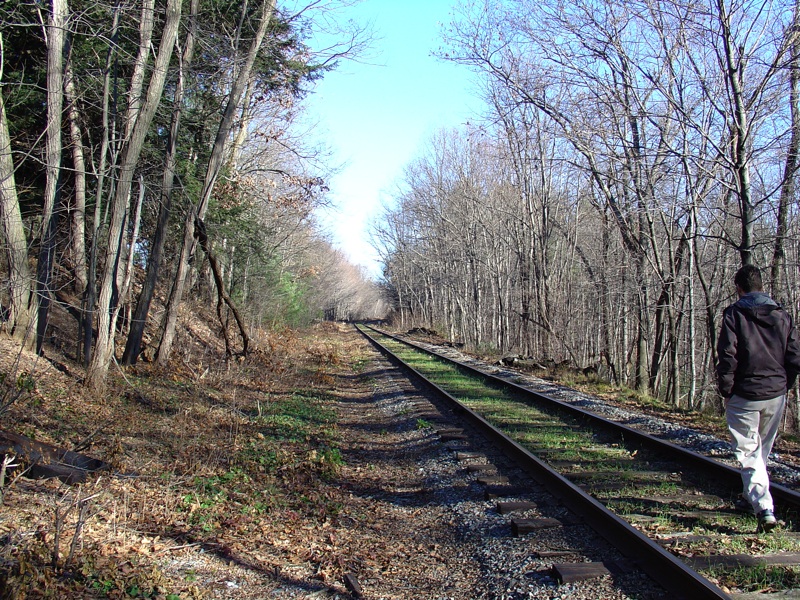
[{"x": 669, "y": 509}]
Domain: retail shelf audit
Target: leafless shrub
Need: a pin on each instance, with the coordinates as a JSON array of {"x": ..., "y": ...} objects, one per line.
[
  {"x": 64, "y": 508},
  {"x": 12, "y": 389},
  {"x": 6, "y": 468}
]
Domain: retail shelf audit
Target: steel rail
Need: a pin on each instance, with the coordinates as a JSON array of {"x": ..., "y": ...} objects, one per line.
[
  {"x": 660, "y": 565},
  {"x": 724, "y": 473}
]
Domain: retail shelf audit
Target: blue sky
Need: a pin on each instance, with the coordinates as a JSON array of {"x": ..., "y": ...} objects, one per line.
[{"x": 377, "y": 117}]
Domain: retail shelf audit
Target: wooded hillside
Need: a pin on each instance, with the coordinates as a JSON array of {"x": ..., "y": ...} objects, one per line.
[{"x": 150, "y": 150}]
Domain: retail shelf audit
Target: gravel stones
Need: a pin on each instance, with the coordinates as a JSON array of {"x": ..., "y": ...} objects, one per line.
[
  {"x": 475, "y": 552},
  {"x": 682, "y": 435}
]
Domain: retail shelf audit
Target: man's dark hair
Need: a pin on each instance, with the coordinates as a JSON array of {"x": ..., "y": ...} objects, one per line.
[{"x": 749, "y": 279}]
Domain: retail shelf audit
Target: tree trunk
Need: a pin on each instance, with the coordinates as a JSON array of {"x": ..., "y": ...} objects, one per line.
[
  {"x": 134, "y": 342},
  {"x": 212, "y": 172},
  {"x": 90, "y": 297},
  {"x": 146, "y": 23},
  {"x": 790, "y": 167},
  {"x": 222, "y": 295},
  {"x": 137, "y": 219},
  {"x": 738, "y": 136},
  {"x": 78, "y": 211},
  {"x": 20, "y": 318},
  {"x": 104, "y": 349},
  {"x": 56, "y": 43}
]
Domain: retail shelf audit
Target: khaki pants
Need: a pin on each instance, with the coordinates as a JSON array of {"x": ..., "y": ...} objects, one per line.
[{"x": 753, "y": 425}]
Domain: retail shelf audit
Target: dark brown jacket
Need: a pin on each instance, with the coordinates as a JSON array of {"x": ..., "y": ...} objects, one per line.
[{"x": 758, "y": 350}]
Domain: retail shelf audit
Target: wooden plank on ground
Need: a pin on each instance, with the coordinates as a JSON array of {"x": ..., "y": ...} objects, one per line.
[
  {"x": 68, "y": 475},
  {"x": 572, "y": 572},
  {"x": 505, "y": 508},
  {"x": 525, "y": 526},
  {"x": 46, "y": 461}
]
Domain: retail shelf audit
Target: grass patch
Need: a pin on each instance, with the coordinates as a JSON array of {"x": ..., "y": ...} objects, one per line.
[
  {"x": 538, "y": 430},
  {"x": 760, "y": 578}
]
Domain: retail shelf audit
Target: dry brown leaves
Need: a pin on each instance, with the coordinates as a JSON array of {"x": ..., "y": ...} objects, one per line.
[{"x": 188, "y": 453}]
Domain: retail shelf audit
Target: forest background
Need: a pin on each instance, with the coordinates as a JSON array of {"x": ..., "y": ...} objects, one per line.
[
  {"x": 633, "y": 155},
  {"x": 151, "y": 149}
]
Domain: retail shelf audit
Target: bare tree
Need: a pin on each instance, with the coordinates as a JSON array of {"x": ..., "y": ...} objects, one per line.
[
  {"x": 134, "y": 340},
  {"x": 20, "y": 315},
  {"x": 241, "y": 78},
  {"x": 107, "y": 312},
  {"x": 56, "y": 44}
]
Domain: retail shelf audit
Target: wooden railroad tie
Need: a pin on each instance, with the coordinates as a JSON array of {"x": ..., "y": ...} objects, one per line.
[
  {"x": 737, "y": 561},
  {"x": 462, "y": 456},
  {"x": 453, "y": 437},
  {"x": 426, "y": 416},
  {"x": 505, "y": 508},
  {"x": 492, "y": 479},
  {"x": 481, "y": 468},
  {"x": 449, "y": 431},
  {"x": 553, "y": 553},
  {"x": 630, "y": 477},
  {"x": 572, "y": 465},
  {"x": 572, "y": 572},
  {"x": 526, "y": 526},
  {"x": 607, "y": 486},
  {"x": 492, "y": 492},
  {"x": 676, "y": 540},
  {"x": 685, "y": 499}
]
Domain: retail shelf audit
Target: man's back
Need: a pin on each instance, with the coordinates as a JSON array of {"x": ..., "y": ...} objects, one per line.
[{"x": 757, "y": 345}]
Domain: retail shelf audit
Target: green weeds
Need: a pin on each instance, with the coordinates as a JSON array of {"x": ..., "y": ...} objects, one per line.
[
  {"x": 538, "y": 430},
  {"x": 759, "y": 578},
  {"x": 298, "y": 418},
  {"x": 12, "y": 389},
  {"x": 292, "y": 437}
]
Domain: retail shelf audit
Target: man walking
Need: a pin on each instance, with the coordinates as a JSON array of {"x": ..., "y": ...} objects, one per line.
[{"x": 759, "y": 360}]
